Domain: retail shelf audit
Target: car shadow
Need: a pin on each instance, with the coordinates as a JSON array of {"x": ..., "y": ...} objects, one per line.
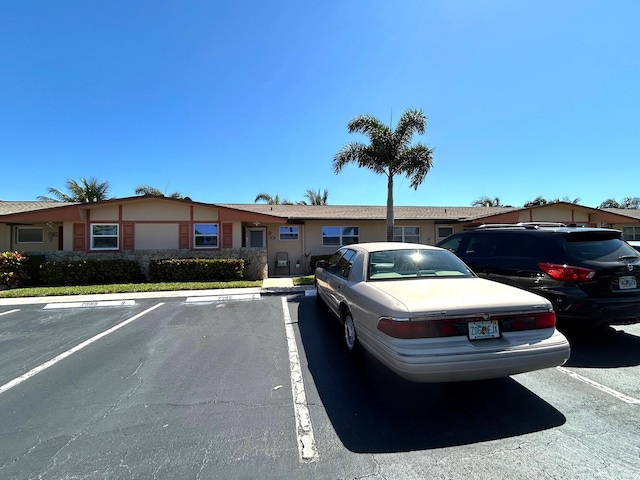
[
  {"x": 603, "y": 347},
  {"x": 375, "y": 411}
]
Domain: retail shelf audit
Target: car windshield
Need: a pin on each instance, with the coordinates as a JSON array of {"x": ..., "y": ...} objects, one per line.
[{"x": 415, "y": 263}]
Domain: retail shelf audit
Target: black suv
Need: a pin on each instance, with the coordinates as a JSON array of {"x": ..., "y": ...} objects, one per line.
[{"x": 588, "y": 274}]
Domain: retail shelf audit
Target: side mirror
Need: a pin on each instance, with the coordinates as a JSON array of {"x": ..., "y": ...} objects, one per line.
[{"x": 322, "y": 264}]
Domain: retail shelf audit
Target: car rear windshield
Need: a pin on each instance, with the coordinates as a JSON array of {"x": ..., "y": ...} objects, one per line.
[
  {"x": 600, "y": 248},
  {"x": 414, "y": 263}
]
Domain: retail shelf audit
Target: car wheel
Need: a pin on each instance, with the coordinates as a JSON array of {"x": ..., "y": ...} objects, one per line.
[{"x": 350, "y": 336}]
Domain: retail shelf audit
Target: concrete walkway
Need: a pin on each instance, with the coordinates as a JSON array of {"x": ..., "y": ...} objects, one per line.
[{"x": 277, "y": 283}]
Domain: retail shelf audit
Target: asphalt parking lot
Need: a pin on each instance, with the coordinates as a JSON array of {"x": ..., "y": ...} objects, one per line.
[{"x": 259, "y": 386}]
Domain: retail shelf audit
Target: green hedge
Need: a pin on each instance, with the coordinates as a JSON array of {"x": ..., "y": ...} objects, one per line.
[
  {"x": 314, "y": 259},
  {"x": 196, "y": 269},
  {"x": 89, "y": 272}
]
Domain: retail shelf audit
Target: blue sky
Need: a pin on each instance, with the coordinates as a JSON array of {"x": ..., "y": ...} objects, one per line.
[{"x": 221, "y": 101}]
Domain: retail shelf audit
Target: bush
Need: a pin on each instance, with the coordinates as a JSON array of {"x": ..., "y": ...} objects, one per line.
[
  {"x": 89, "y": 272},
  {"x": 33, "y": 265},
  {"x": 314, "y": 259},
  {"x": 13, "y": 270},
  {"x": 196, "y": 269}
]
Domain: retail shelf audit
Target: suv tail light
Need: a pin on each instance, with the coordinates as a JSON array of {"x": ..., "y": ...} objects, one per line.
[
  {"x": 567, "y": 273},
  {"x": 407, "y": 329}
]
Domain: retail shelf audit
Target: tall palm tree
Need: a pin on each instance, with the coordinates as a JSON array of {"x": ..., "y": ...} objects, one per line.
[
  {"x": 85, "y": 191},
  {"x": 485, "y": 201},
  {"x": 315, "y": 198},
  {"x": 149, "y": 190},
  {"x": 389, "y": 152},
  {"x": 265, "y": 197}
]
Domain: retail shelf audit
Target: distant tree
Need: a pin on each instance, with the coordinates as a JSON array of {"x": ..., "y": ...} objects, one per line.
[
  {"x": 315, "y": 198},
  {"x": 537, "y": 201},
  {"x": 487, "y": 202},
  {"x": 389, "y": 152},
  {"x": 631, "y": 202},
  {"x": 609, "y": 203},
  {"x": 85, "y": 191},
  {"x": 565, "y": 199},
  {"x": 149, "y": 190},
  {"x": 265, "y": 197},
  {"x": 627, "y": 202}
]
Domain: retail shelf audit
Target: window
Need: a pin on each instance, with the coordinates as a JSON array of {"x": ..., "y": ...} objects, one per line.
[
  {"x": 205, "y": 235},
  {"x": 338, "y": 236},
  {"x": 29, "y": 234},
  {"x": 104, "y": 236},
  {"x": 406, "y": 234},
  {"x": 289, "y": 233},
  {"x": 444, "y": 231},
  {"x": 631, "y": 233}
]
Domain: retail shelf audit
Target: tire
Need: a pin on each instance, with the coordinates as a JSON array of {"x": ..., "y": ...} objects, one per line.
[{"x": 350, "y": 335}]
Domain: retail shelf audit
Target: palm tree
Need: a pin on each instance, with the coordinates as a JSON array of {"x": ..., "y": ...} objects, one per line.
[
  {"x": 149, "y": 190},
  {"x": 265, "y": 197},
  {"x": 539, "y": 200},
  {"x": 315, "y": 198},
  {"x": 485, "y": 201},
  {"x": 86, "y": 191},
  {"x": 389, "y": 152}
]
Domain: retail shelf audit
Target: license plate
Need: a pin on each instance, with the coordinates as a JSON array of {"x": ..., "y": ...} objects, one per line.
[
  {"x": 627, "y": 282},
  {"x": 480, "y": 330}
]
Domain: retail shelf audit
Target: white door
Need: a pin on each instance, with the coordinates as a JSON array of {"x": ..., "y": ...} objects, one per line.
[{"x": 256, "y": 237}]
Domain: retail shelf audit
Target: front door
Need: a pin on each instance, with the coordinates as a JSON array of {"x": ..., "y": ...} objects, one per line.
[{"x": 256, "y": 237}]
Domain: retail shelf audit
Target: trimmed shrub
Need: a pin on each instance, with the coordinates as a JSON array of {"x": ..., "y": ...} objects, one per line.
[
  {"x": 314, "y": 259},
  {"x": 33, "y": 265},
  {"x": 90, "y": 272},
  {"x": 13, "y": 269},
  {"x": 196, "y": 269}
]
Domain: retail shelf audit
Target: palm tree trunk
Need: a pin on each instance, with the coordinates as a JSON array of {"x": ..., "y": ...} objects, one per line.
[{"x": 390, "y": 219}]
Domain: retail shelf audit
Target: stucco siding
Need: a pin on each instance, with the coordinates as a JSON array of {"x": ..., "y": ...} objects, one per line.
[
  {"x": 205, "y": 214},
  {"x": 108, "y": 213},
  {"x": 155, "y": 211},
  {"x": 155, "y": 236}
]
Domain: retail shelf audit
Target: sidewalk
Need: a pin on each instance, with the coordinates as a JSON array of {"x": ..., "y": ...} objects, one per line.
[{"x": 270, "y": 286}]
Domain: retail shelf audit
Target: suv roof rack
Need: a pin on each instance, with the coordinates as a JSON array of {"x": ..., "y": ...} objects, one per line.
[{"x": 527, "y": 225}]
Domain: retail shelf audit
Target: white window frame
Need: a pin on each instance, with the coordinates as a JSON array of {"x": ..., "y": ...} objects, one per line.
[
  {"x": 439, "y": 236},
  {"x": 18, "y": 229},
  {"x": 631, "y": 233},
  {"x": 289, "y": 232},
  {"x": 343, "y": 233},
  {"x": 215, "y": 235},
  {"x": 116, "y": 236},
  {"x": 401, "y": 237}
]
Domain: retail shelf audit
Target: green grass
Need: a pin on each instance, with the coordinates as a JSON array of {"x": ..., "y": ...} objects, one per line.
[{"x": 136, "y": 287}]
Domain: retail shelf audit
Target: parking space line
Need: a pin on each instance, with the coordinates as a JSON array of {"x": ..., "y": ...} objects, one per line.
[
  {"x": 104, "y": 303},
  {"x": 304, "y": 429},
  {"x": 599, "y": 386},
  {"x": 10, "y": 311},
  {"x": 77, "y": 348}
]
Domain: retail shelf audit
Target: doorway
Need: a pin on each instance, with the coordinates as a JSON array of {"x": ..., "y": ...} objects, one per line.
[{"x": 257, "y": 237}]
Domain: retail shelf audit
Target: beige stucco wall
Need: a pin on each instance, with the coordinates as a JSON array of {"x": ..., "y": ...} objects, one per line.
[
  {"x": 205, "y": 214},
  {"x": 153, "y": 210},
  {"x": 556, "y": 213},
  {"x": 155, "y": 236},
  {"x": 5, "y": 238},
  {"x": 107, "y": 213},
  {"x": 48, "y": 243}
]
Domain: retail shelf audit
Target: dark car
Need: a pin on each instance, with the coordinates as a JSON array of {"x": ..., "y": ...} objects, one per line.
[{"x": 590, "y": 275}]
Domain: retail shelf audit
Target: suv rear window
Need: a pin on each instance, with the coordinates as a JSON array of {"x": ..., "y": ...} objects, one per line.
[{"x": 597, "y": 249}]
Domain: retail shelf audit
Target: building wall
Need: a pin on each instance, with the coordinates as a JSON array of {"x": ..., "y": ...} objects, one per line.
[
  {"x": 152, "y": 210},
  {"x": 151, "y": 236}
]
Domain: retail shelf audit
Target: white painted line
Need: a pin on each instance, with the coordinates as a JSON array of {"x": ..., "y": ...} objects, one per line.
[
  {"x": 77, "y": 348},
  {"x": 224, "y": 298},
  {"x": 610, "y": 391},
  {"x": 104, "y": 303},
  {"x": 304, "y": 430},
  {"x": 10, "y": 311},
  {"x": 309, "y": 293}
]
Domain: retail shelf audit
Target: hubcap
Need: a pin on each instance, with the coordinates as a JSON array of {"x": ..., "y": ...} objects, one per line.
[{"x": 349, "y": 332}]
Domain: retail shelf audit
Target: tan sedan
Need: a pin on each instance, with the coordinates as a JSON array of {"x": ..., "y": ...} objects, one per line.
[{"x": 423, "y": 313}]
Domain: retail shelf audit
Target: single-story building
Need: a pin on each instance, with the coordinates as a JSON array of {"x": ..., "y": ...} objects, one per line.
[{"x": 145, "y": 227}]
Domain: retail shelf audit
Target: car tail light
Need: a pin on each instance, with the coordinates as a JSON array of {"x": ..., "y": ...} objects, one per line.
[
  {"x": 567, "y": 273},
  {"x": 454, "y": 327}
]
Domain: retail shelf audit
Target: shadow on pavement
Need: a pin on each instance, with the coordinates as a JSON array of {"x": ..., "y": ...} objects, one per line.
[
  {"x": 373, "y": 410},
  {"x": 603, "y": 347}
]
